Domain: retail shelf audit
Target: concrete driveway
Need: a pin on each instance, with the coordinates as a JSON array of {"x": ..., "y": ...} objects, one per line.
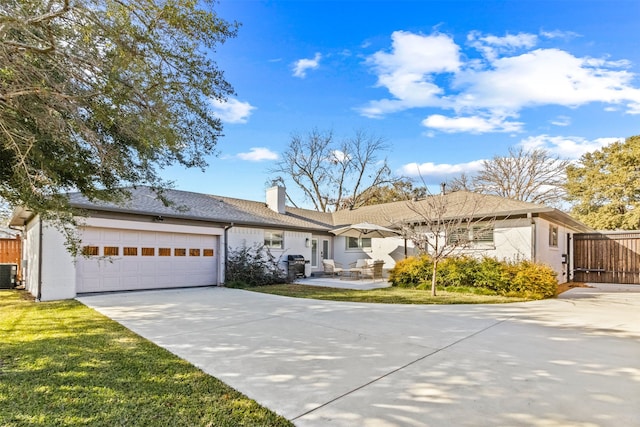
[{"x": 572, "y": 361}]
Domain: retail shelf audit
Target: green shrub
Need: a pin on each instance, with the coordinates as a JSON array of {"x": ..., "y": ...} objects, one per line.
[
  {"x": 493, "y": 274},
  {"x": 253, "y": 266},
  {"x": 533, "y": 280},
  {"x": 457, "y": 271},
  {"x": 411, "y": 272},
  {"x": 488, "y": 275}
]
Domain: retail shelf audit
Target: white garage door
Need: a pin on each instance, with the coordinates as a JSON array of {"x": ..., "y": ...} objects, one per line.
[{"x": 131, "y": 259}]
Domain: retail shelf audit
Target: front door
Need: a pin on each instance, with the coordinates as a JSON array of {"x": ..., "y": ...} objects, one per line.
[
  {"x": 314, "y": 253},
  {"x": 325, "y": 250}
]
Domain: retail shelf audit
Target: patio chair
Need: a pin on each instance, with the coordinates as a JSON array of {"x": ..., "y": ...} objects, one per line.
[
  {"x": 331, "y": 267},
  {"x": 377, "y": 270},
  {"x": 362, "y": 266},
  {"x": 370, "y": 268}
]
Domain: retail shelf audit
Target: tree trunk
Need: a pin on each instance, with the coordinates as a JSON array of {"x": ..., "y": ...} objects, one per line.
[{"x": 433, "y": 277}]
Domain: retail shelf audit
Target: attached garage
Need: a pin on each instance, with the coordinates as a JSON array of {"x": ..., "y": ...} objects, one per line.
[
  {"x": 150, "y": 240},
  {"x": 125, "y": 259}
]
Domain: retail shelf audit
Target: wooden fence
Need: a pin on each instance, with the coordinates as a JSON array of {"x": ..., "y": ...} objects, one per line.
[
  {"x": 612, "y": 257},
  {"x": 10, "y": 252}
]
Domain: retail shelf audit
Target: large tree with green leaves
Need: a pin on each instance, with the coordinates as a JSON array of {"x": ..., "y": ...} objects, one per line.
[
  {"x": 604, "y": 186},
  {"x": 399, "y": 190},
  {"x": 99, "y": 94}
]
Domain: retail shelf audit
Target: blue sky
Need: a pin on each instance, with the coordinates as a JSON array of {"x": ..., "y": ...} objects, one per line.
[{"x": 445, "y": 83}]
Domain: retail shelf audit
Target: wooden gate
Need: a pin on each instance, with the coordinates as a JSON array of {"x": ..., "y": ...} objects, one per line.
[{"x": 610, "y": 257}]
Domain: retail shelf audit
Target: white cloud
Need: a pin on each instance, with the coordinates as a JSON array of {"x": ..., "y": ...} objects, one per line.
[
  {"x": 634, "y": 108},
  {"x": 559, "y": 34},
  {"x": 338, "y": 156},
  {"x": 232, "y": 111},
  {"x": 491, "y": 46},
  {"x": 434, "y": 172},
  {"x": 408, "y": 69},
  {"x": 418, "y": 54},
  {"x": 472, "y": 124},
  {"x": 566, "y": 147},
  {"x": 301, "y": 66},
  {"x": 561, "y": 121},
  {"x": 513, "y": 74},
  {"x": 258, "y": 154},
  {"x": 543, "y": 77}
]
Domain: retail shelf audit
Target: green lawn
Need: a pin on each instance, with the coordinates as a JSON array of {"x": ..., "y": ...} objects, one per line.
[
  {"x": 63, "y": 364},
  {"x": 392, "y": 295}
]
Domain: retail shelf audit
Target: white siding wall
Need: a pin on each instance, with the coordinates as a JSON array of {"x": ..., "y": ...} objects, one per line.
[
  {"x": 512, "y": 238},
  {"x": 389, "y": 250},
  {"x": 549, "y": 255},
  {"x": 512, "y": 241},
  {"x": 294, "y": 242},
  {"x": 58, "y": 268},
  {"x": 30, "y": 251},
  {"x": 58, "y": 271}
]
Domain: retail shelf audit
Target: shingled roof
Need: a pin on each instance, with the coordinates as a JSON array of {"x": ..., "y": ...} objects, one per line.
[
  {"x": 211, "y": 208},
  {"x": 458, "y": 204},
  {"x": 201, "y": 207}
]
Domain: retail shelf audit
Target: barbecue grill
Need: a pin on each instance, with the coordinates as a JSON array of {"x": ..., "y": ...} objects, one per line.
[{"x": 295, "y": 266}]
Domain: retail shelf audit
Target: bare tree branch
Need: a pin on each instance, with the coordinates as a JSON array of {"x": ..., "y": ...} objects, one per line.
[
  {"x": 446, "y": 223},
  {"x": 334, "y": 176},
  {"x": 530, "y": 176}
]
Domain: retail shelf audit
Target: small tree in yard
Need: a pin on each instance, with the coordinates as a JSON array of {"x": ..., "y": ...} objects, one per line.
[
  {"x": 254, "y": 266},
  {"x": 447, "y": 223}
]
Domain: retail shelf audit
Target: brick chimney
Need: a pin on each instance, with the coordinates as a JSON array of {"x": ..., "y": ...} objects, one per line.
[{"x": 276, "y": 196}]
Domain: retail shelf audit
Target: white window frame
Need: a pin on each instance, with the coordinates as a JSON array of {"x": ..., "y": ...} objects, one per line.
[
  {"x": 272, "y": 237},
  {"x": 553, "y": 235},
  {"x": 472, "y": 236},
  {"x": 361, "y": 243}
]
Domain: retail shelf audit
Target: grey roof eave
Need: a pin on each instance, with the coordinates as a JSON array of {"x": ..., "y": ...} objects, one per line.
[
  {"x": 225, "y": 221},
  {"x": 20, "y": 217}
]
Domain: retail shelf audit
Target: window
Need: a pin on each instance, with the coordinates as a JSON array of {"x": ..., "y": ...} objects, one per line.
[
  {"x": 130, "y": 251},
  {"x": 459, "y": 236},
  {"x": 111, "y": 251},
  {"x": 482, "y": 234},
  {"x": 274, "y": 239},
  {"x": 207, "y": 252},
  {"x": 148, "y": 251},
  {"x": 194, "y": 252},
  {"x": 179, "y": 252},
  {"x": 358, "y": 242},
  {"x": 90, "y": 250},
  {"x": 553, "y": 236},
  {"x": 478, "y": 234},
  {"x": 164, "y": 251}
]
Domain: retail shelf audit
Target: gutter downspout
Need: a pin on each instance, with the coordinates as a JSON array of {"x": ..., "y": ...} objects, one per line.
[
  {"x": 39, "y": 293},
  {"x": 226, "y": 248},
  {"x": 533, "y": 237}
]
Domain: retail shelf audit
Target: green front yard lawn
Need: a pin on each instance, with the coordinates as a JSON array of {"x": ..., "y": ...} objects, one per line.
[
  {"x": 64, "y": 364},
  {"x": 391, "y": 295}
]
